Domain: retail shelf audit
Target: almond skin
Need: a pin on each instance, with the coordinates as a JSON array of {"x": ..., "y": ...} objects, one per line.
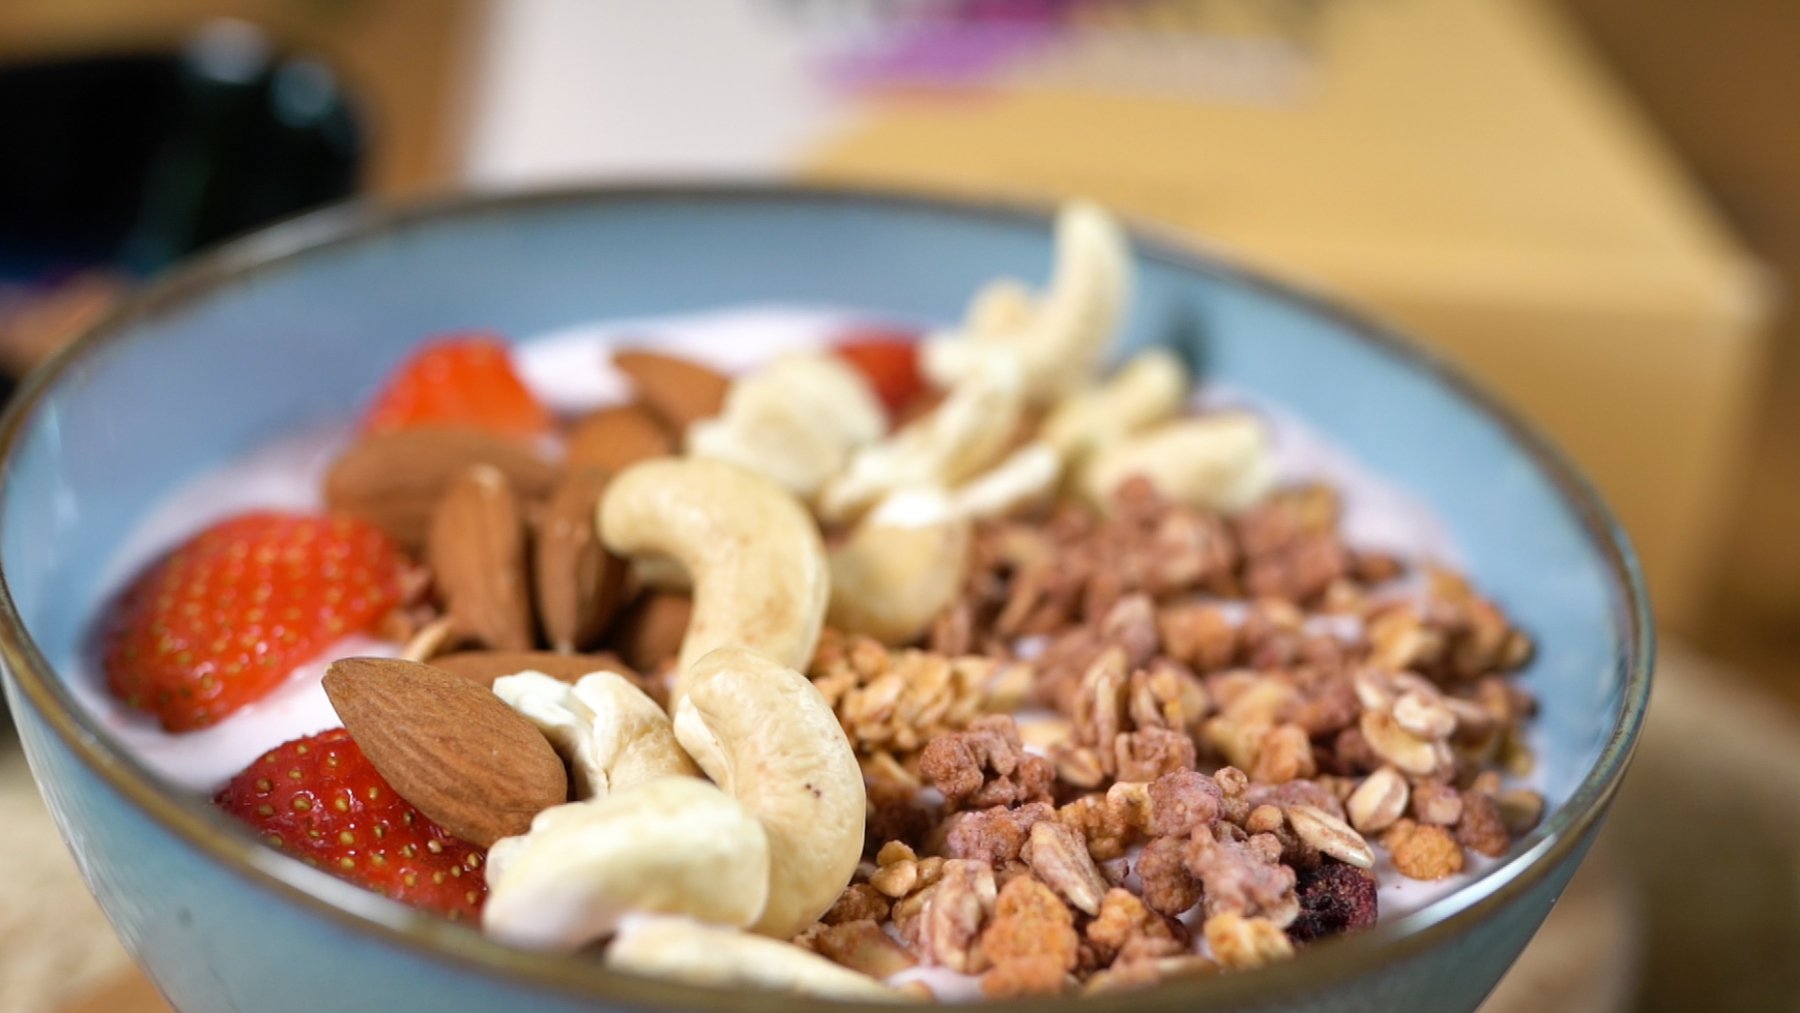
[
  {"x": 650, "y": 631},
  {"x": 477, "y": 552},
  {"x": 579, "y": 583},
  {"x": 394, "y": 480},
  {"x": 448, "y": 746},
  {"x": 617, "y": 437},
  {"x": 677, "y": 391}
]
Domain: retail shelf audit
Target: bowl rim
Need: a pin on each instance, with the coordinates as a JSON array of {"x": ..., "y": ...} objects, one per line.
[{"x": 1561, "y": 835}]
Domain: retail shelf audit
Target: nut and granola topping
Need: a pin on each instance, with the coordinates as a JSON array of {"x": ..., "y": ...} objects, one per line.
[
  {"x": 986, "y": 666},
  {"x": 1059, "y": 857},
  {"x": 985, "y": 766},
  {"x": 1252, "y": 728},
  {"x": 1240, "y": 943},
  {"x": 894, "y": 701},
  {"x": 1423, "y": 850},
  {"x": 951, "y": 917}
]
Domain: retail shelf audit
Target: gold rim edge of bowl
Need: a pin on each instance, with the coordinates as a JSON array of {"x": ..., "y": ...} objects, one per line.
[{"x": 1341, "y": 959}]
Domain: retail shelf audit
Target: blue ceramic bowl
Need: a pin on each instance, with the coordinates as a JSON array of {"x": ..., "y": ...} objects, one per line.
[{"x": 297, "y": 324}]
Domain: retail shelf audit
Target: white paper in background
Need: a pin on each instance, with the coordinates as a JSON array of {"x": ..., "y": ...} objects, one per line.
[
  {"x": 584, "y": 89},
  {"x": 578, "y": 89}
]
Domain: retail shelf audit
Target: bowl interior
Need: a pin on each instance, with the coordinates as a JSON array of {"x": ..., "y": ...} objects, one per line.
[{"x": 203, "y": 371}]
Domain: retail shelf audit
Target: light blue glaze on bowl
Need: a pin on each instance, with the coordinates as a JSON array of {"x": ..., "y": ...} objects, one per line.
[{"x": 298, "y": 324}]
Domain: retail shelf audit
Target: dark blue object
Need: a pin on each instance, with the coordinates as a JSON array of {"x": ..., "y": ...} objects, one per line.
[{"x": 135, "y": 161}]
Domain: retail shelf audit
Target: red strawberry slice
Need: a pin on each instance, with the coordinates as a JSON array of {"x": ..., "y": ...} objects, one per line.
[
  {"x": 459, "y": 380},
  {"x": 889, "y": 359},
  {"x": 224, "y": 618},
  {"x": 320, "y": 800}
]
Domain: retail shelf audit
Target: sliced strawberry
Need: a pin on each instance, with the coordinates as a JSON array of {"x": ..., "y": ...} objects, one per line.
[
  {"x": 459, "y": 380},
  {"x": 320, "y": 800},
  {"x": 225, "y": 617},
  {"x": 889, "y": 359}
]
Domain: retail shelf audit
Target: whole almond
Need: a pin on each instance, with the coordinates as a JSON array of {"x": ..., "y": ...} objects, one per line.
[
  {"x": 579, "y": 583},
  {"x": 650, "y": 631},
  {"x": 394, "y": 480},
  {"x": 477, "y": 552},
  {"x": 617, "y": 437},
  {"x": 677, "y": 391},
  {"x": 448, "y": 746}
]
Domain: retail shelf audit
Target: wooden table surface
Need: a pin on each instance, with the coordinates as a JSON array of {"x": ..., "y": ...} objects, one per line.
[{"x": 1688, "y": 902}]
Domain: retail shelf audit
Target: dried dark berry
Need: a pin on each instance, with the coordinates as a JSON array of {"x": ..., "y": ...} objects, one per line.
[{"x": 1334, "y": 898}]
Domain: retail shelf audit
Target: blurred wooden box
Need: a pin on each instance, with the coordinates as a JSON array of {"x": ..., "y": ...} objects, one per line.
[{"x": 1717, "y": 78}]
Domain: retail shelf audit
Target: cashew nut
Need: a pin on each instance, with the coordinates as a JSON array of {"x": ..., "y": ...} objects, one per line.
[
  {"x": 660, "y": 573},
  {"x": 1001, "y": 305},
  {"x": 760, "y": 577},
  {"x": 674, "y": 845},
  {"x": 1028, "y": 475},
  {"x": 902, "y": 565},
  {"x": 1215, "y": 462},
  {"x": 1059, "y": 338},
  {"x": 763, "y": 733},
  {"x": 953, "y": 442},
  {"x": 697, "y": 954},
  {"x": 1146, "y": 390},
  {"x": 608, "y": 731},
  {"x": 795, "y": 421}
]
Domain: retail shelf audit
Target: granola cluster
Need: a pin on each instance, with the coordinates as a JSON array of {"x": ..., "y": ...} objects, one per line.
[
  {"x": 1155, "y": 740},
  {"x": 895, "y": 701}
]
